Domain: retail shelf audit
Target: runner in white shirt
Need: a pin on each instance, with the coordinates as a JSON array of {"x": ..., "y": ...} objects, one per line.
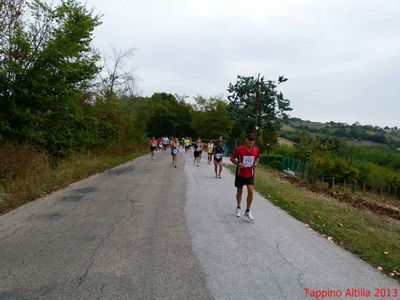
[{"x": 165, "y": 143}]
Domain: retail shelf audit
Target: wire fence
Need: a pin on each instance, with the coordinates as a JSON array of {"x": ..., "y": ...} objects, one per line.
[
  {"x": 303, "y": 171},
  {"x": 297, "y": 168}
]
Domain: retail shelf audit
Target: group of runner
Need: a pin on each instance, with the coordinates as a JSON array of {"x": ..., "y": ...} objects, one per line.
[
  {"x": 215, "y": 151},
  {"x": 245, "y": 158}
]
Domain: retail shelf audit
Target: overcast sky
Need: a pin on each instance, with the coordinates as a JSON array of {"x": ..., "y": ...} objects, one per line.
[{"x": 342, "y": 57}]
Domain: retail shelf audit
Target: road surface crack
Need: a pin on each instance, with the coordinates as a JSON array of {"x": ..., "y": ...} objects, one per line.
[
  {"x": 11, "y": 234},
  {"x": 132, "y": 202},
  {"x": 103, "y": 285},
  {"x": 15, "y": 268},
  {"x": 300, "y": 272},
  {"x": 58, "y": 236},
  {"x": 93, "y": 256},
  {"x": 86, "y": 212},
  {"x": 55, "y": 202}
]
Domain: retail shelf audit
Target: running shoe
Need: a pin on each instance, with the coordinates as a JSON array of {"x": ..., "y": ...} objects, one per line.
[
  {"x": 238, "y": 212},
  {"x": 249, "y": 215},
  {"x": 216, "y": 176},
  {"x": 219, "y": 176}
]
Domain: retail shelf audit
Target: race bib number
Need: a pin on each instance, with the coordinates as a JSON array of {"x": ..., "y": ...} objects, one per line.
[
  {"x": 218, "y": 155},
  {"x": 248, "y": 161},
  {"x": 175, "y": 151}
]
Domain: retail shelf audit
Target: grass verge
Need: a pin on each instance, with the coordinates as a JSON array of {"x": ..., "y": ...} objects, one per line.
[
  {"x": 28, "y": 173},
  {"x": 375, "y": 239}
]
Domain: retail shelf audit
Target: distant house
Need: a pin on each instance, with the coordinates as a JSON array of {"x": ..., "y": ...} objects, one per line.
[{"x": 286, "y": 142}]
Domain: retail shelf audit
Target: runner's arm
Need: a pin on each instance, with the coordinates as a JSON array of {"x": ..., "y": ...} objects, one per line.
[
  {"x": 255, "y": 162},
  {"x": 234, "y": 159}
]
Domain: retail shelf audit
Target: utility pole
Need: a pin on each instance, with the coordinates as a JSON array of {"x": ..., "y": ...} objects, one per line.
[{"x": 257, "y": 108}]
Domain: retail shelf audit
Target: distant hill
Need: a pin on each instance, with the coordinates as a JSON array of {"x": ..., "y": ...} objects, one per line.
[{"x": 354, "y": 134}]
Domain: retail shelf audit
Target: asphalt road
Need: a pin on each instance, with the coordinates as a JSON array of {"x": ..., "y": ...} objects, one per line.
[
  {"x": 117, "y": 235},
  {"x": 146, "y": 230}
]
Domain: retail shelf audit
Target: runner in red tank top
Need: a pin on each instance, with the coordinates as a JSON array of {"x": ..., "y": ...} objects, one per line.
[
  {"x": 246, "y": 159},
  {"x": 153, "y": 146}
]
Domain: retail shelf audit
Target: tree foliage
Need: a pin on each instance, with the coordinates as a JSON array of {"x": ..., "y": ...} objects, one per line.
[
  {"x": 166, "y": 115},
  {"x": 330, "y": 158},
  {"x": 211, "y": 119},
  {"x": 256, "y": 103},
  {"x": 45, "y": 69}
]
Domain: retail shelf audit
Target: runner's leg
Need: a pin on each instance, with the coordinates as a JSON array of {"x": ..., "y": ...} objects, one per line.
[
  {"x": 250, "y": 193},
  {"x": 239, "y": 192},
  {"x": 220, "y": 168}
]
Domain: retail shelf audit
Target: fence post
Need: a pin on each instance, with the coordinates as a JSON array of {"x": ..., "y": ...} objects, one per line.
[{"x": 333, "y": 184}]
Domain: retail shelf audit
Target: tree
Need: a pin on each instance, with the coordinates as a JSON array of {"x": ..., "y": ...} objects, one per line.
[
  {"x": 211, "y": 119},
  {"x": 304, "y": 150},
  {"x": 115, "y": 79},
  {"x": 167, "y": 115},
  {"x": 11, "y": 12},
  {"x": 255, "y": 103},
  {"x": 45, "y": 70}
]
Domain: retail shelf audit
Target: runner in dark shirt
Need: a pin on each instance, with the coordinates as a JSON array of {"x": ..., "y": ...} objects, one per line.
[
  {"x": 174, "y": 151},
  {"x": 198, "y": 149},
  {"x": 218, "y": 152}
]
